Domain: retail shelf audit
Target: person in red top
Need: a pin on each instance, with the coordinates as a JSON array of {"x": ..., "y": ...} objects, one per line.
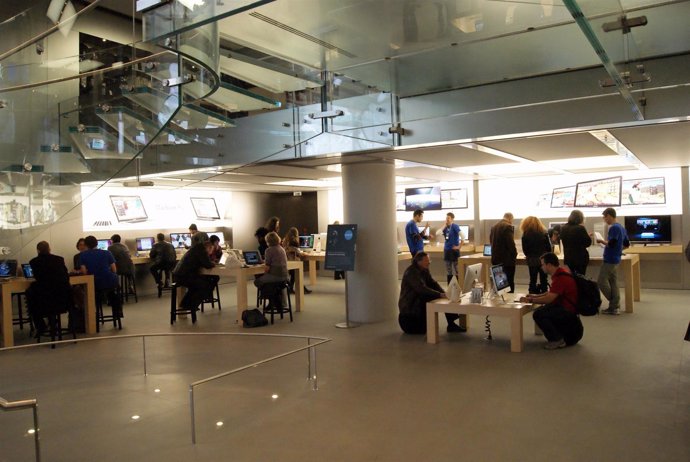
[{"x": 558, "y": 317}]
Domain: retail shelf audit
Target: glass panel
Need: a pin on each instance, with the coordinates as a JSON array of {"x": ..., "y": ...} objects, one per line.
[
  {"x": 236, "y": 99},
  {"x": 262, "y": 75}
]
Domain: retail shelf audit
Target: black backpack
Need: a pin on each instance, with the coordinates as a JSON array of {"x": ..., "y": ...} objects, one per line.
[
  {"x": 253, "y": 318},
  {"x": 588, "y": 296}
]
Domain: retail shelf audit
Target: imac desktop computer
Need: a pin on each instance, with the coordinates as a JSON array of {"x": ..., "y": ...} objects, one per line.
[
  {"x": 472, "y": 273},
  {"x": 306, "y": 243},
  {"x": 144, "y": 245},
  {"x": 500, "y": 283}
]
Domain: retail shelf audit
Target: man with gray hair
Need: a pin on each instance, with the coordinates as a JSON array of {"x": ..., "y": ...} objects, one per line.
[{"x": 503, "y": 250}]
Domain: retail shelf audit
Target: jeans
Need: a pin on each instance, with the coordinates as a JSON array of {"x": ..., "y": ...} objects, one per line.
[
  {"x": 558, "y": 323},
  {"x": 535, "y": 271},
  {"x": 608, "y": 284},
  {"x": 510, "y": 274}
]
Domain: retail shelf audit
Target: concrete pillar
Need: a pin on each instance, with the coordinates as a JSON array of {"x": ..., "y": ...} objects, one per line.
[{"x": 369, "y": 202}]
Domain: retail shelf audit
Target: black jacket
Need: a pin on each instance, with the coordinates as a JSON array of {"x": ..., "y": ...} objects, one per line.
[
  {"x": 163, "y": 253},
  {"x": 575, "y": 241},
  {"x": 502, "y": 238},
  {"x": 418, "y": 287},
  {"x": 191, "y": 262},
  {"x": 534, "y": 245}
]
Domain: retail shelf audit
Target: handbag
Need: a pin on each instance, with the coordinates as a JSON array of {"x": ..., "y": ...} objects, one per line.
[{"x": 253, "y": 318}]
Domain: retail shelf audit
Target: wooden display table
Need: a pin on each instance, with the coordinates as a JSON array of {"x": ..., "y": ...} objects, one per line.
[
  {"x": 19, "y": 285},
  {"x": 313, "y": 257},
  {"x": 629, "y": 267},
  {"x": 243, "y": 275},
  {"x": 495, "y": 307}
]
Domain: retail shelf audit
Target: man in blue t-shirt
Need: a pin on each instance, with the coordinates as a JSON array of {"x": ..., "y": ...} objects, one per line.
[
  {"x": 451, "y": 248},
  {"x": 101, "y": 264},
  {"x": 415, "y": 237},
  {"x": 617, "y": 239}
]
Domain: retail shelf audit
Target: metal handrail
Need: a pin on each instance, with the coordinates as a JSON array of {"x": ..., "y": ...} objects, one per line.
[
  {"x": 311, "y": 371},
  {"x": 25, "y": 404}
]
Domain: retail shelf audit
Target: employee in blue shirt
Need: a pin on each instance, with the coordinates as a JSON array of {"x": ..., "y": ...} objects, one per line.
[
  {"x": 415, "y": 237},
  {"x": 451, "y": 248},
  {"x": 617, "y": 239}
]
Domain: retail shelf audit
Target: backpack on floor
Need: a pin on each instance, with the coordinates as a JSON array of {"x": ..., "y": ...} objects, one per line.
[
  {"x": 253, "y": 318},
  {"x": 588, "y": 296}
]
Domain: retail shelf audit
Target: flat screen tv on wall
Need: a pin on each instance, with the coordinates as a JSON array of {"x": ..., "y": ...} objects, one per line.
[{"x": 425, "y": 198}]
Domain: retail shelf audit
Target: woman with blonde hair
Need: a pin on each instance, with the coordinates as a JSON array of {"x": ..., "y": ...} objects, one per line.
[
  {"x": 535, "y": 243},
  {"x": 291, "y": 245}
]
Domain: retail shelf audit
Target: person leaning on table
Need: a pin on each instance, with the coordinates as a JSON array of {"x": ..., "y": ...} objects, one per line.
[
  {"x": 418, "y": 288},
  {"x": 558, "y": 317}
]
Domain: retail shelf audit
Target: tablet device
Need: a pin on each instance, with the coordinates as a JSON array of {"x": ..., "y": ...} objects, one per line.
[{"x": 487, "y": 250}]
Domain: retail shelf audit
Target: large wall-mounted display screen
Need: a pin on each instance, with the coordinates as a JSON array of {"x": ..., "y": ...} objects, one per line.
[
  {"x": 599, "y": 193},
  {"x": 425, "y": 198},
  {"x": 644, "y": 191},
  {"x": 128, "y": 208},
  {"x": 454, "y": 198},
  {"x": 205, "y": 208},
  {"x": 563, "y": 197}
]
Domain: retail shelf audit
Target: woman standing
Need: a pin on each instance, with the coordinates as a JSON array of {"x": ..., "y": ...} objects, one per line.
[
  {"x": 535, "y": 243},
  {"x": 575, "y": 240}
]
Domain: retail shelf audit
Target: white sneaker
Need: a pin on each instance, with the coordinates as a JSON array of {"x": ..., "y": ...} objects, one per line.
[{"x": 555, "y": 345}]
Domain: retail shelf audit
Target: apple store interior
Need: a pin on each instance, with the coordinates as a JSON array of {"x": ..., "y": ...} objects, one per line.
[{"x": 140, "y": 117}]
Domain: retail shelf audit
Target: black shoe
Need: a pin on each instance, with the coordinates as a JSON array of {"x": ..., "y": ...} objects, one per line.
[
  {"x": 306, "y": 291},
  {"x": 455, "y": 328}
]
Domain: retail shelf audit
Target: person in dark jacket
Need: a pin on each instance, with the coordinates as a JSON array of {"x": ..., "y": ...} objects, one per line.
[
  {"x": 418, "y": 288},
  {"x": 163, "y": 257},
  {"x": 535, "y": 243},
  {"x": 575, "y": 240},
  {"x": 187, "y": 273},
  {"x": 51, "y": 291},
  {"x": 503, "y": 250},
  {"x": 123, "y": 259}
]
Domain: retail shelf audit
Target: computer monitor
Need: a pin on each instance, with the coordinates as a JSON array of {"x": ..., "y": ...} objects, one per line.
[
  {"x": 465, "y": 232},
  {"x": 8, "y": 268},
  {"x": 181, "y": 240},
  {"x": 472, "y": 273},
  {"x": 27, "y": 270},
  {"x": 649, "y": 229},
  {"x": 306, "y": 242},
  {"x": 220, "y": 236},
  {"x": 144, "y": 244},
  {"x": 500, "y": 280},
  {"x": 103, "y": 244}
]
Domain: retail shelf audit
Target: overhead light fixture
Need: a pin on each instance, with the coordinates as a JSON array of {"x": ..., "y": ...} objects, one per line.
[{"x": 62, "y": 13}]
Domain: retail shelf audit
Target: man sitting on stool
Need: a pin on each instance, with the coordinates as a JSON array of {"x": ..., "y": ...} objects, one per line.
[
  {"x": 187, "y": 274},
  {"x": 163, "y": 256},
  {"x": 51, "y": 292},
  {"x": 558, "y": 317}
]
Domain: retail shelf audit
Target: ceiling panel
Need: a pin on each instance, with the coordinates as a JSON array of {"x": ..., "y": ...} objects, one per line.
[
  {"x": 287, "y": 172},
  {"x": 553, "y": 147},
  {"x": 433, "y": 174},
  {"x": 445, "y": 156},
  {"x": 657, "y": 146}
]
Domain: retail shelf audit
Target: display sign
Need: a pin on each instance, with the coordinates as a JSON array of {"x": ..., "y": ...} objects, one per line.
[
  {"x": 400, "y": 201},
  {"x": 599, "y": 193},
  {"x": 563, "y": 197},
  {"x": 205, "y": 208},
  {"x": 340, "y": 247},
  {"x": 643, "y": 191},
  {"x": 454, "y": 198},
  {"x": 128, "y": 208}
]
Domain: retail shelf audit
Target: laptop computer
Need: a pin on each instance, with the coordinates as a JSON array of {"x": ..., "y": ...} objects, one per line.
[
  {"x": 27, "y": 270},
  {"x": 487, "y": 250},
  {"x": 223, "y": 259},
  {"x": 252, "y": 257},
  {"x": 8, "y": 268}
]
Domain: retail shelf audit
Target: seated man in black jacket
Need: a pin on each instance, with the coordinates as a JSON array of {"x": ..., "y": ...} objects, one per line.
[
  {"x": 163, "y": 256},
  {"x": 51, "y": 291},
  {"x": 418, "y": 288},
  {"x": 187, "y": 273}
]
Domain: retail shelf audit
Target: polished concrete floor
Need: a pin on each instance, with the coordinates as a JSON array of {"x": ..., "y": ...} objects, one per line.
[{"x": 623, "y": 394}]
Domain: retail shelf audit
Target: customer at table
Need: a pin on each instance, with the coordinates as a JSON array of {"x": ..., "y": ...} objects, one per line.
[
  {"x": 163, "y": 256},
  {"x": 76, "y": 260},
  {"x": 535, "y": 243},
  {"x": 418, "y": 288},
  {"x": 215, "y": 250},
  {"x": 260, "y": 235},
  {"x": 51, "y": 292},
  {"x": 123, "y": 259},
  {"x": 101, "y": 264},
  {"x": 558, "y": 317},
  {"x": 413, "y": 236},
  {"x": 503, "y": 250},
  {"x": 291, "y": 245},
  {"x": 187, "y": 273},
  {"x": 575, "y": 242}
]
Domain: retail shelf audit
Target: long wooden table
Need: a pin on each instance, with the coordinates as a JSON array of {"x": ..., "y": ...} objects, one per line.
[
  {"x": 491, "y": 307},
  {"x": 313, "y": 257},
  {"x": 19, "y": 285},
  {"x": 629, "y": 267},
  {"x": 242, "y": 275}
]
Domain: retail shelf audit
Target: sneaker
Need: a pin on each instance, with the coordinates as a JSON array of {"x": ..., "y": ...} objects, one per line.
[
  {"x": 455, "y": 328},
  {"x": 613, "y": 311},
  {"x": 556, "y": 344},
  {"x": 307, "y": 291}
]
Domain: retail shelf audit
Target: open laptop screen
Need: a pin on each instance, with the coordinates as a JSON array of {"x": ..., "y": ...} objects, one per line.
[
  {"x": 252, "y": 257},
  {"x": 27, "y": 270},
  {"x": 8, "y": 268}
]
